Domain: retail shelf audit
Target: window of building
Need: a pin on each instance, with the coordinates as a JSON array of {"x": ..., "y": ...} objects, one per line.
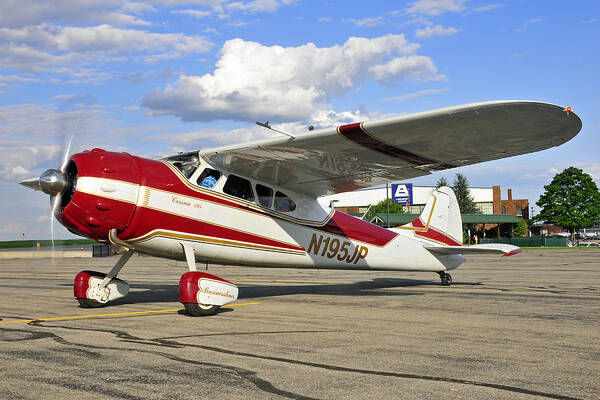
[
  {"x": 238, "y": 187},
  {"x": 265, "y": 195},
  {"x": 208, "y": 178},
  {"x": 503, "y": 210},
  {"x": 284, "y": 203},
  {"x": 485, "y": 208},
  {"x": 519, "y": 211}
]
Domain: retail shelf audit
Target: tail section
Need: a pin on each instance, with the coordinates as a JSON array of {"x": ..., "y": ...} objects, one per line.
[{"x": 440, "y": 222}]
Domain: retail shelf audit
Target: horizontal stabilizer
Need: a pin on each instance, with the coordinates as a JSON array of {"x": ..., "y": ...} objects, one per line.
[{"x": 506, "y": 249}]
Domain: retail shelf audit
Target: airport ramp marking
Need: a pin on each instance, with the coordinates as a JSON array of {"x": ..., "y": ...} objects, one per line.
[{"x": 113, "y": 314}]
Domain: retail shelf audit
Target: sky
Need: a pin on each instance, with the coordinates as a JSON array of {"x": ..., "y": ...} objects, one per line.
[{"x": 160, "y": 76}]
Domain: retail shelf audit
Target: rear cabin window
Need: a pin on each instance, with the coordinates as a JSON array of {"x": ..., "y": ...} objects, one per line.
[
  {"x": 239, "y": 187},
  {"x": 284, "y": 203},
  {"x": 265, "y": 195},
  {"x": 208, "y": 178}
]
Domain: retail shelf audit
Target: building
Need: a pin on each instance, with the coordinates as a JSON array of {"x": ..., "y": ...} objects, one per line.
[{"x": 488, "y": 200}]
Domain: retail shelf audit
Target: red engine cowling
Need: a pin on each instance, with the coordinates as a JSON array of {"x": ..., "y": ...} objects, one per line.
[{"x": 101, "y": 194}]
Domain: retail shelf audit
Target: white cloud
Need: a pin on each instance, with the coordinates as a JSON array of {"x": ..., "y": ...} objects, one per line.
[
  {"x": 409, "y": 96},
  {"x": 193, "y": 13},
  {"x": 17, "y": 160},
  {"x": 414, "y": 67},
  {"x": 36, "y": 48},
  {"x": 258, "y": 5},
  {"x": 527, "y": 23},
  {"x": 34, "y": 121},
  {"x": 436, "y": 7},
  {"x": 5, "y": 80},
  {"x": 16, "y": 13},
  {"x": 253, "y": 82},
  {"x": 368, "y": 21},
  {"x": 437, "y": 30},
  {"x": 488, "y": 7}
]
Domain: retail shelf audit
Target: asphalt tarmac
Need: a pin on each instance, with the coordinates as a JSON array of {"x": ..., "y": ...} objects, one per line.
[{"x": 519, "y": 327}]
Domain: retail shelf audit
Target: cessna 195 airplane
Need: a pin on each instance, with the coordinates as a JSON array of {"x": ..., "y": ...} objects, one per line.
[{"x": 258, "y": 204}]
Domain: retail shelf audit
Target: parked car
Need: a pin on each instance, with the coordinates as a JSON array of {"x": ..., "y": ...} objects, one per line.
[{"x": 589, "y": 244}]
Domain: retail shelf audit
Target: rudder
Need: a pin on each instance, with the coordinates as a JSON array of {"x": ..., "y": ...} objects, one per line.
[{"x": 440, "y": 220}]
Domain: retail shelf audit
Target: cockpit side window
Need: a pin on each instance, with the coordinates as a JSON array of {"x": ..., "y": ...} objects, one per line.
[
  {"x": 208, "y": 178},
  {"x": 284, "y": 203},
  {"x": 239, "y": 187},
  {"x": 265, "y": 195}
]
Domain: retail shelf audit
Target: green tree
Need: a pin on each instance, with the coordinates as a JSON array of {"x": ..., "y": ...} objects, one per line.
[
  {"x": 571, "y": 200},
  {"x": 521, "y": 228},
  {"x": 381, "y": 207},
  {"x": 464, "y": 198},
  {"x": 441, "y": 182}
]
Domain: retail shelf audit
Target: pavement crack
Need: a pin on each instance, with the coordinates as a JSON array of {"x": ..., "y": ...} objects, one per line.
[
  {"x": 246, "y": 374},
  {"x": 267, "y": 386}
]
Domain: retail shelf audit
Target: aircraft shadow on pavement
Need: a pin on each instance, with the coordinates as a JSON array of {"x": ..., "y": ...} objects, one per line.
[
  {"x": 375, "y": 287},
  {"x": 156, "y": 293}
]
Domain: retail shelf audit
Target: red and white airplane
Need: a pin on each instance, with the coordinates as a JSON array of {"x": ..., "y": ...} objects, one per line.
[{"x": 258, "y": 204}]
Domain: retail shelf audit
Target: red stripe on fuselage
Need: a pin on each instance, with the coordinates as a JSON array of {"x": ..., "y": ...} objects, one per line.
[{"x": 356, "y": 229}]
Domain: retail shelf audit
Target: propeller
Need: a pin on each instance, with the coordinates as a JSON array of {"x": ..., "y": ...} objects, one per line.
[{"x": 54, "y": 182}]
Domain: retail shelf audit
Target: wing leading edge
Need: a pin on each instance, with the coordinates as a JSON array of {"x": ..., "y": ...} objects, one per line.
[{"x": 375, "y": 152}]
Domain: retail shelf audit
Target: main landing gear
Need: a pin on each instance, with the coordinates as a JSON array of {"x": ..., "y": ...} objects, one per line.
[
  {"x": 446, "y": 278},
  {"x": 201, "y": 293}
]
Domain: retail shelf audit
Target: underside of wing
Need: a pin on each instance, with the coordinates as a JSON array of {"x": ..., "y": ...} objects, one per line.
[{"x": 365, "y": 154}]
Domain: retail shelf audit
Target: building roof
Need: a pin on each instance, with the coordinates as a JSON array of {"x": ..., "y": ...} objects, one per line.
[{"x": 402, "y": 219}]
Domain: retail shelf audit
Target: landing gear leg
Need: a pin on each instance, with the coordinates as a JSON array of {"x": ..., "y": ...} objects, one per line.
[
  {"x": 446, "y": 278},
  {"x": 95, "y": 289}
]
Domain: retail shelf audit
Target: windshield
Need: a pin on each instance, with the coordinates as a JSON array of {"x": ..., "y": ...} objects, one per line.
[{"x": 186, "y": 163}]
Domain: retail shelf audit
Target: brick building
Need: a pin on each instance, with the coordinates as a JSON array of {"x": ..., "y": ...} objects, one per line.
[{"x": 487, "y": 199}]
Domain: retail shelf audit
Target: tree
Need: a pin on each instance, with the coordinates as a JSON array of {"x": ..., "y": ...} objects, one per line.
[
  {"x": 441, "y": 182},
  {"x": 521, "y": 228},
  {"x": 571, "y": 200},
  {"x": 381, "y": 207},
  {"x": 461, "y": 190}
]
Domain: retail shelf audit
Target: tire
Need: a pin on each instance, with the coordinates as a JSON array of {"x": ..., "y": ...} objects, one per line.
[
  {"x": 446, "y": 280},
  {"x": 89, "y": 303},
  {"x": 200, "y": 310}
]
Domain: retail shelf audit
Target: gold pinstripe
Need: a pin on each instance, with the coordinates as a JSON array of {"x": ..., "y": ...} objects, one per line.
[{"x": 210, "y": 240}]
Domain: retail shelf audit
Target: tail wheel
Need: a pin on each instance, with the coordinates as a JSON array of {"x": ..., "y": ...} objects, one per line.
[
  {"x": 446, "y": 278},
  {"x": 200, "y": 310}
]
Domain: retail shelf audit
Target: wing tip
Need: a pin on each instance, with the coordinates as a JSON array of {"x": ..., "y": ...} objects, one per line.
[{"x": 512, "y": 252}]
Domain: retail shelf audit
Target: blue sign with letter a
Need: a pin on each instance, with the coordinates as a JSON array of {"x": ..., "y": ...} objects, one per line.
[{"x": 402, "y": 193}]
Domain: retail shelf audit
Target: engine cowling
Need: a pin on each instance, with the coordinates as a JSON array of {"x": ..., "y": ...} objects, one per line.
[{"x": 102, "y": 194}]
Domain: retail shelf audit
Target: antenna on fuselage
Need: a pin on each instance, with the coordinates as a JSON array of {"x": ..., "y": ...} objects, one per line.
[{"x": 266, "y": 125}]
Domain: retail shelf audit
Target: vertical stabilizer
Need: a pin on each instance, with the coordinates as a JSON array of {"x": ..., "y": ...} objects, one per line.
[{"x": 440, "y": 222}]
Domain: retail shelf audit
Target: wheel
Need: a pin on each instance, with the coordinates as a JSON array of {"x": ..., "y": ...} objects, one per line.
[
  {"x": 200, "y": 310},
  {"x": 446, "y": 278},
  {"x": 89, "y": 303}
]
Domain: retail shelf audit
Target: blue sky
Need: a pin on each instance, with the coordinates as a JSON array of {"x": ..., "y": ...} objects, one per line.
[{"x": 161, "y": 76}]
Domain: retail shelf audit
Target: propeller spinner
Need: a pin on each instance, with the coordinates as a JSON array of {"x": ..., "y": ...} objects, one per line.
[{"x": 52, "y": 182}]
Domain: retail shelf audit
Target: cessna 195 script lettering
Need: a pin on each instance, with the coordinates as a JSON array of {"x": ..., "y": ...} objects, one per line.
[{"x": 260, "y": 204}]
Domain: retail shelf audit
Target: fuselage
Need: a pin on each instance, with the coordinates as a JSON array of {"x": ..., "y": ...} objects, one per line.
[{"x": 157, "y": 206}]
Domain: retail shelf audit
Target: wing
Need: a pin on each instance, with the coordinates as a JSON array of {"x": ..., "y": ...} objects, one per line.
[{"x": 375, "y": 152}]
